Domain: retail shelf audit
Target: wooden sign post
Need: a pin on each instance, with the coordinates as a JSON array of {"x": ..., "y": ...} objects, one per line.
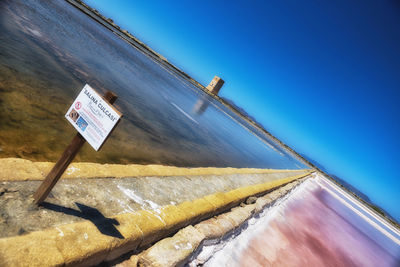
[{"x": 89, "y": 127}]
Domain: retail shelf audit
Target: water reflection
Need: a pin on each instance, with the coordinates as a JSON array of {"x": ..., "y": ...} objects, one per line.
[
  {"x": 201, "y": 105},
  {"x": 49, "y": 50}
]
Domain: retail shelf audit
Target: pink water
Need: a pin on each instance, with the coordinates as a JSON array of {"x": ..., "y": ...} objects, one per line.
[{"x": 318, "y": 225}]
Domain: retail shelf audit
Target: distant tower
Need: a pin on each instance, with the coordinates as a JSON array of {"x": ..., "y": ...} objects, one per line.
[{"x": 215, "y": 85}]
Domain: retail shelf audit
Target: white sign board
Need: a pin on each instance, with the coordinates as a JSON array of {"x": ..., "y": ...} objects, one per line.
[{"x": 92, "y": 116}]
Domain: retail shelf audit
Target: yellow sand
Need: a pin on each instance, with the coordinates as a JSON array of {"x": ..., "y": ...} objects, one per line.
[{"x": 15, "y": 169}]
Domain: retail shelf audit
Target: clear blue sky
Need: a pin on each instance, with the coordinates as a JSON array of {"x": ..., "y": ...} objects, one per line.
[{"x": 322, "y": 76}]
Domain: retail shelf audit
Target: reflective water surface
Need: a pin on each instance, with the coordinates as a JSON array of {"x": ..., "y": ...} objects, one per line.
[
  {"x": 318, "y": 225},
  {"x": 50, "y": 49}
]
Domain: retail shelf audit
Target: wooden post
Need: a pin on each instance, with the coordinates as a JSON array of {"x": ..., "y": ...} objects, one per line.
[{"x": 66, "y": 158}]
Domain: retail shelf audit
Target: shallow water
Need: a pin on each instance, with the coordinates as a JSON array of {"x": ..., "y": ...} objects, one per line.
[
  {"x": 49, "y": 50},
  {"x": 317, "y": 225}
]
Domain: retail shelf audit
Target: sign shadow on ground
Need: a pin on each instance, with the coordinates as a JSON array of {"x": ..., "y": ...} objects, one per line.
[{"x": 105, "y": 225}]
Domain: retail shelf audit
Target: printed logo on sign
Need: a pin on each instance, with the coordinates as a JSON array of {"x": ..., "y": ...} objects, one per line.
[
  {"x": 78, "y": 105},
  {"x": 82, "y": 123}
]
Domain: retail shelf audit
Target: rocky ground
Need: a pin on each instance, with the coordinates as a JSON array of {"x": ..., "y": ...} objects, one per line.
[
  {"x": 194, "y": 245},
  {"x": 74, "y": 200}
]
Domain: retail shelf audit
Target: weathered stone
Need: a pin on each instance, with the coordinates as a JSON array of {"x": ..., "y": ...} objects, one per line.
[
  {"x": 35, "y": 249},
  {"x": 18, "y": 169},
  {"x": 172, "y": 251},
  {"x": 251, "y": 200},
  {"x": 89, "y": 247},
  {"x": 262, "y": 202},
  {"x": 197, "y": 209},
  {"x": 238, "y": 215},
  {"x": 131, "y": 262},
  {"x": 131, "y": 233},
  {"x": 222, "y": 201},
  {"x": 152, "y": 226},
  {"x": 215, "y": 227},
  {"x": 173, "y": 217}
]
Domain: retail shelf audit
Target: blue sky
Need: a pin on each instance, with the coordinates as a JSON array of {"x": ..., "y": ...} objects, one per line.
[{"x": 322, "y": 76}]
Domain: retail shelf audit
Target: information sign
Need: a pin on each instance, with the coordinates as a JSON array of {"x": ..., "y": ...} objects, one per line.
[{"x": 92, "y": 116}]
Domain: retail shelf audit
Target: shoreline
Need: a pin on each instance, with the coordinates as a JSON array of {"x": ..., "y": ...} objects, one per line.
[
  {"x": 368, "y": 210},
  {"x": 17, "y": 169}
]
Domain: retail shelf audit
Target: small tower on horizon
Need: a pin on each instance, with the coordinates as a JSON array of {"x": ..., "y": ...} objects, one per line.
[{"x": 215, "y": 85}]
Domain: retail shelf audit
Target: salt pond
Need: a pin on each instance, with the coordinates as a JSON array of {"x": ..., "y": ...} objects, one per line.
[
  {"x": 318, "y": 224},
  {"x": 50, "y": 49}
]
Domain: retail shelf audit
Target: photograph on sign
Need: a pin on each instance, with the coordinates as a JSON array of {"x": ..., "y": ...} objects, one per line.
[{"x": 92, "y": 116}]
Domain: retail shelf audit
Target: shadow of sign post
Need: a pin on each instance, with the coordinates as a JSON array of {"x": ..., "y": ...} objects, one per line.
[
  {"x": 94, "y": 117},
  {"x": 105, "y": 225}
]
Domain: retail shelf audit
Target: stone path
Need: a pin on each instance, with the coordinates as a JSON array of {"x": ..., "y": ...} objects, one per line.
[{"x": 74, "y": 200}]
